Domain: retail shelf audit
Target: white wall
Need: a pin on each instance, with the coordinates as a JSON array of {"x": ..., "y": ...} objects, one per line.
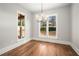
[
  {"x": 75, "y": 25},
  {"x": 64, "y": 21},
  {"x": 8, "y": 24}
]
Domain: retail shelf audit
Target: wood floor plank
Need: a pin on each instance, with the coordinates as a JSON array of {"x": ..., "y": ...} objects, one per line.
[{"x": 39, "y": 48}]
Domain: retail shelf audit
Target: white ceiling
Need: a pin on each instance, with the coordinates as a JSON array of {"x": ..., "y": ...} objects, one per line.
[{"x": 35, "y": 7}]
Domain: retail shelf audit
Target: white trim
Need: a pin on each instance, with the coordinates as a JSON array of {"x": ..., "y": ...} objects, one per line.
[
  {"x": 52, "y": 41},
  {"x": 56, "y": 25},
  {"x": 8, "y": 48},
  {"x": 20, "y": 12},
  {"x": 75, "y": 48}
]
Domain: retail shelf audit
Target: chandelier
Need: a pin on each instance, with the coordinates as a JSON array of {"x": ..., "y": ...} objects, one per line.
[{"x": 41, "y": 17}]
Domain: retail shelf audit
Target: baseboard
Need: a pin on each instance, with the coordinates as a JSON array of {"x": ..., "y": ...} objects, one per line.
[
  {"x": 75, "y": 48},
  {"x": 53, "y": 41},
  {"x": 3, "y": 50}
]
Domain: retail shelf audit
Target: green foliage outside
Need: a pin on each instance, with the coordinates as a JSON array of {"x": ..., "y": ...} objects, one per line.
[{"x": 50, "y": 29}]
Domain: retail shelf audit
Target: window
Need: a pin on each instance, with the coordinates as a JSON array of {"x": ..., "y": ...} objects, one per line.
[
  {"x": 43, "y": 26},
  {"x": 21, "y": 26},
  {"x": 48, "y": 28},
  {"x": 52, "y": 25}
]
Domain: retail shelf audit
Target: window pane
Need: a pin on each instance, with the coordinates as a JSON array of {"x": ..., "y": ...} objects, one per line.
[
  {"x": 43, "y": 23},
  {"x": 23, "y": 31},
  {"x": 52, "y": 31},
  {"x": 43, "y": 28},
  {"x": 52, "y": 20},
  {"x": 52, "y": 25},
  {"x": 21, "y": 26}
]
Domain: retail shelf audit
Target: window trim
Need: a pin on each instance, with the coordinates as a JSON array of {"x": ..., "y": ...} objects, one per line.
[
  {"x": 20, "y": 12},
  {"x": 47, "y": 34}
]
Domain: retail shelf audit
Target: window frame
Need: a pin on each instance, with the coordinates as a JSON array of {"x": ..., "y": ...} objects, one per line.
[
  {"x": 20, "y": 12},
  {"x": 47, "y": 29}
]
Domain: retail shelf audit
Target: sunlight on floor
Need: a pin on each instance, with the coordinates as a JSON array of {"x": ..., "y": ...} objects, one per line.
[{"x": 42, "y": 46}]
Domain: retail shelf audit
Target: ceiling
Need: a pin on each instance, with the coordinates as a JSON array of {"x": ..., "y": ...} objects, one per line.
[{"x": 35, "y": 7}]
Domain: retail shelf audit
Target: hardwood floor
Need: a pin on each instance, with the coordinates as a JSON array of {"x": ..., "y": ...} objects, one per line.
[{"x": 39, "y": 48}]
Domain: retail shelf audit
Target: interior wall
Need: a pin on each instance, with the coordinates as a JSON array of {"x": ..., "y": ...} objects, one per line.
[
  {"x": 8, "y": 24},
  {"x": 75, "y": 25},
  {"x": 63, "y": 23}
]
